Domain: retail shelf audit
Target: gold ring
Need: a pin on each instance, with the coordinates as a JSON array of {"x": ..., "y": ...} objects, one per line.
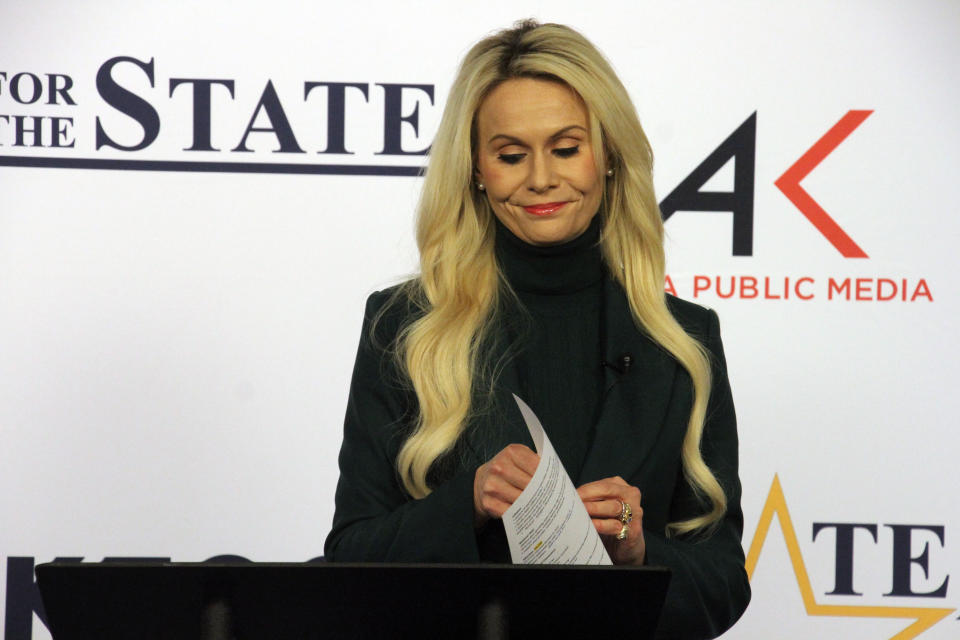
[
  {"x": 624, "y": 530},
  {"x": 626, "y": 513}
]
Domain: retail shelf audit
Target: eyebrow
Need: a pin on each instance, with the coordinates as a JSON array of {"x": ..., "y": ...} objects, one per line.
[{"x": 558, "y": 134}]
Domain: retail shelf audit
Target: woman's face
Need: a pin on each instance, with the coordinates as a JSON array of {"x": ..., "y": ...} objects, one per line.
[{"x": 535, "y": 160}]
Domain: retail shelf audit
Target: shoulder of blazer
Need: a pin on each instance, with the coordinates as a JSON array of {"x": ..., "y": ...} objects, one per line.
[
  {"x": 387, "y": 312},
  {"x": 694, "y": 319},
  {"x": 702, "y": 324}
]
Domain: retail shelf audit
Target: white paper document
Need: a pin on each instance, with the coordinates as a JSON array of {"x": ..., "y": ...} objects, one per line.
[{"x": 548, "y": 523}]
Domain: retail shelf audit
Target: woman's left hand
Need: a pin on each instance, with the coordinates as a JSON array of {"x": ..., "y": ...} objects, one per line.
[{"x": 604, "y": 500}]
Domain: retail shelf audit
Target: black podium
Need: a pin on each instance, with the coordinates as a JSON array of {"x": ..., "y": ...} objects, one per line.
[{"x": 278, "y": 601}]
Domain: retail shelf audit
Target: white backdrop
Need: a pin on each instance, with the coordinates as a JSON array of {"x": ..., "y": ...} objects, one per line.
[{"x": 175, "y": 346}]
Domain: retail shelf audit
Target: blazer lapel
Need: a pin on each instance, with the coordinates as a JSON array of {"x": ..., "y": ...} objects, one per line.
[
  {"x": 635, "y": 403},
  {"x": 499, "y": 423}
]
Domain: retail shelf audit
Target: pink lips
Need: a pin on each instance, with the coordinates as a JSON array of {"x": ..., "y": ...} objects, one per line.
[{"x": 544, "y": 209}]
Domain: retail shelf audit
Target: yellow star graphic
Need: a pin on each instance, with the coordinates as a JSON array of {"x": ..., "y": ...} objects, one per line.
[{"x": 924, "y": 617}]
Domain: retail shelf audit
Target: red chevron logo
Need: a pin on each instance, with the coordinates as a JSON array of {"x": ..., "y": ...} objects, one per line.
[{"x": 789, "y": 184}]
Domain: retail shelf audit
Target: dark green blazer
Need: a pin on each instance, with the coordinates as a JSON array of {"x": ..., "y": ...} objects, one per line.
[{"x": 638, "y": 436}]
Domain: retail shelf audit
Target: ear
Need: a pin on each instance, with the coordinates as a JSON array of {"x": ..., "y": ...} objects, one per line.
[
  {"x": 610, "y": 160},
  {"x": 477, "y": 175},
  {"x": 476, "y": 167}
]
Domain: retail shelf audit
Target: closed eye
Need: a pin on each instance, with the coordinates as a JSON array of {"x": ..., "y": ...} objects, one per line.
[
  {"x": 563, "y": 152},
  {"x": 511, "y": 158}
]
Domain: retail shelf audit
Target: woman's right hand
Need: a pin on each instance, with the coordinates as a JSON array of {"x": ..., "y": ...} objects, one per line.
[{"x": 498, "y": 483}]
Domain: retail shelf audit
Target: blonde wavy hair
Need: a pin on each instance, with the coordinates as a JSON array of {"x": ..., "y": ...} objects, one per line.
[{"x": 459, "y": 286}]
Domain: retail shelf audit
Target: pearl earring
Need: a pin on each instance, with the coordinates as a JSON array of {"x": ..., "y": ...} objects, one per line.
[
  {"x": 609, "y": 173},
  {"x": 480, "y": 186}
]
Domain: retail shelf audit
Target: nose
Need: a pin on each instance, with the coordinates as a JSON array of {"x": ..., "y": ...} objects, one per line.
[{"x": 541, "y": 178}]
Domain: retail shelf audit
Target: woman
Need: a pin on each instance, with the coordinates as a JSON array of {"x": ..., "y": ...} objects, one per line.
[{"x": 542, "y": 271}]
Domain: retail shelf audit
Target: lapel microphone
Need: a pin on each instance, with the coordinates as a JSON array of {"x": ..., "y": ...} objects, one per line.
[{"x": 622, "y": 366}]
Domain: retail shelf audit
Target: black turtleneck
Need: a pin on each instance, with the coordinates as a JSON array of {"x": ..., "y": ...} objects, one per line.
[{"x": 560, "y": 289}]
